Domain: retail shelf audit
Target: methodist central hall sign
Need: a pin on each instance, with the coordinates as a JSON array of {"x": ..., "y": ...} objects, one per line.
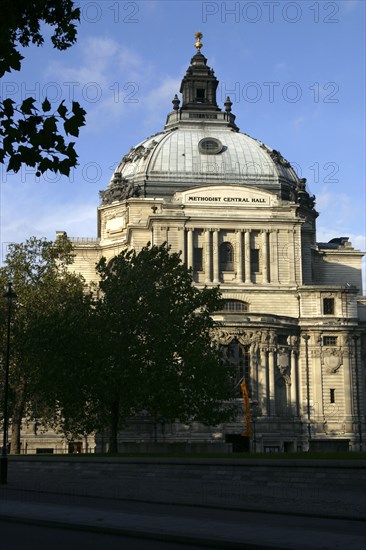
[
  {"x": 226, "y": 196},
  {"x": 227, "y": 199}
]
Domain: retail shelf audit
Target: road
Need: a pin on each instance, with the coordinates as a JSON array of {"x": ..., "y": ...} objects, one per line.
[
  {"x": 39, "y": 520},
  {"x": 35, "y": 537}
]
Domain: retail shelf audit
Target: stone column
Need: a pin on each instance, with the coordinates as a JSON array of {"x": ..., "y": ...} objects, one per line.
[
  {"x": 248, "y": 278},
  {"x": 291, "y": 256},
  {"x": 262, "y": 383},
  {"x": 271, "y": 369},
  {"x": 264, "y": 257},
  {"x": 294, "y": 391},
  {"x": 316, "y": 380},
  {"x": 207, "y": 255},
  {"x": 182, "y": 244},
  {"x": 254, "y": 375},
  {"x": 348, "y": 387},
  {"x": 190, "y": 248},
  {"x": 216, "y": 259},
  {"x": 239, "y": 256},
  {"x": 273, "y": 237}
]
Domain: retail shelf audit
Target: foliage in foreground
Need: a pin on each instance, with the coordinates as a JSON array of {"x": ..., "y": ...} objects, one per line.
[
  {"x": 45, "y": 290},
  {"x": 155, "y": 353},
  {"x": 30, "y": 133},
  {"x": 141, "y": 346}
]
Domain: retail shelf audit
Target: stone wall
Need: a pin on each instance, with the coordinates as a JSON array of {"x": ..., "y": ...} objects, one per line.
[{"x": 318, "y": 487}]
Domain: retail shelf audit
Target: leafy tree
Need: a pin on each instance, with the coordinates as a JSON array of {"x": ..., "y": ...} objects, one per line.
[
  {"x": 46, "y": 289},
  {"x": 155, "y": 347},
  {"x": 34, "y": 134}
]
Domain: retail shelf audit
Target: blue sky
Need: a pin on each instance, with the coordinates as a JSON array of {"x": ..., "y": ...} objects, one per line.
[{"x": 295, "y": 72}]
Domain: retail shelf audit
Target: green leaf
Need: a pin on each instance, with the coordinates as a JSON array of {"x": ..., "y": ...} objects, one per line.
[
  {"x": 7, "y": 107},
  {"x": 71, "y": 126},
  {"x": 50, "y": 125},
  {"x": 27, "y": 107},
  {"x": 64, "y": 167},
  {"x": 62, "y": 110},
  {"x": 46, "y": 106},
  {"x": 14, "y": 163}
]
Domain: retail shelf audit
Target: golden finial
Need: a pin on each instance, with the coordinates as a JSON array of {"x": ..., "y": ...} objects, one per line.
[{"x": 198, "y": 44}]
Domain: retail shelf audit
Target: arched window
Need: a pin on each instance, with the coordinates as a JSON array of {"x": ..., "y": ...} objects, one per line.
[
  {"x": 234, "y": 306},
  {"x": 237, "y": 357},
  {"x": 226, "y": 256}
]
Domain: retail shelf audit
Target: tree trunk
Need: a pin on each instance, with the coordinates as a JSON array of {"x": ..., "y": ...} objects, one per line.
[
  {"x": 17, "y": 416},
  {"x": 113, "y": 428}
]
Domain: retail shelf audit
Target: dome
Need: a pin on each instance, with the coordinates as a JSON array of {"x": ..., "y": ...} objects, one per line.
[
  {"x": 173, "y": 161},
  {"x": 200, "y": 145}
]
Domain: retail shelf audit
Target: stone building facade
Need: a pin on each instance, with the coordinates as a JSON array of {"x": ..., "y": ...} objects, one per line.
[{"x": 293, "y": 323}]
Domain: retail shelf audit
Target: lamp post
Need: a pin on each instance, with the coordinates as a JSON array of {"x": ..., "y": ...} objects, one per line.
[{"x": 9, "y": 295}]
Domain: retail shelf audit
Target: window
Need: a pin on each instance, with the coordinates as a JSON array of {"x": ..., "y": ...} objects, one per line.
[
  {"x": 271, "y": 449},
  {"x": 330, "y": 340},
  {"x": 200, "y": 94},
  {"x": 227, "y": 256},
  {"x": 332, "y": 396},
  {"x": 237, "y": 357},
  {"x": 197, "y": 259},
  {"x": 210, "y": 146},
  {"x": 282, "y": 339},
  {"x": 234, "y": 306},
  {"x": 254, "y": 260},
  {"x": 328, "y": 306}
]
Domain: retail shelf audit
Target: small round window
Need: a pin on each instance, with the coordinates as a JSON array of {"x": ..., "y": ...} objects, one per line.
[{"x": 210, "y": 146}]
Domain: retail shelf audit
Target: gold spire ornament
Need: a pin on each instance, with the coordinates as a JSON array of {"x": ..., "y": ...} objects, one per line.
[{"x": 198, "y": 44}]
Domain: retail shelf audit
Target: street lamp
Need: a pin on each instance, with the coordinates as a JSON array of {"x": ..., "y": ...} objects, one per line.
[{"x": 10, "y": 296}]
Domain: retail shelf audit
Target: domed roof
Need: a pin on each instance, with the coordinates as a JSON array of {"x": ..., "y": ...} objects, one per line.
[
  {"x": 200, "y": 145},
  {"x": 173, "y": 160}
]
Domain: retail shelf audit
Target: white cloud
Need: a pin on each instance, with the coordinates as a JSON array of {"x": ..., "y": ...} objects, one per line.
[
  {"x": 340, "y": 206},
  {"x": 106, "y": 80},
  {"x": 31, "y": 218},
  {"x": 158, "y": 101}
]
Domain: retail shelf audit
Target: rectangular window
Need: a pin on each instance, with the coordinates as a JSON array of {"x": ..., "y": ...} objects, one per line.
[
  {"x": 254, "y": 260},
  {"x": 198, "y": 259},
  {"x": 332, "y": 396},
  {"x": 200, "y": 93},
  {"x": 271, "y": 449},
  {"x": 328, "y": 306},
  {"x": 330, "y": 340}
]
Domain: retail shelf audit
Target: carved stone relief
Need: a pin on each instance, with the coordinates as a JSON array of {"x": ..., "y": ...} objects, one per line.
[
  {"x": 119, "y": 189},
  {"x": 332, "y": 359}
]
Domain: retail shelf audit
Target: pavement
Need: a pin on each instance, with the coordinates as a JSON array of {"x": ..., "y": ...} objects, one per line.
[{"x": 191, "y": 525}]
